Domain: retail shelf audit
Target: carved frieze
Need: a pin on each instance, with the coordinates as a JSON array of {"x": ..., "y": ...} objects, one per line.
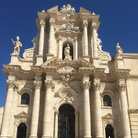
[{"x": 86, "y": 85}]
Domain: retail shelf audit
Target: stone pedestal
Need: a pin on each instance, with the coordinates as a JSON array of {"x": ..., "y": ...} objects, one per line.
[{"x": 15, "y": 59}]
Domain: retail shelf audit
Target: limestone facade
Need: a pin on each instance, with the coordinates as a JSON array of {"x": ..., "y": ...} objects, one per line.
[{"x": 67, "y": 66}]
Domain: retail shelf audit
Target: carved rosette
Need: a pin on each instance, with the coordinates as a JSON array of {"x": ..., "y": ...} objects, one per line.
[
  {"x": 86, "y": 85},
  {"x": 11, "y": 84},
  {"x": 49, "y": 84},
  {"x": 96, "y": 86},
  {"x": 37, "y": 84},
  {"x": 122, "y": 87},
  {"x": 42, "y": 23}
]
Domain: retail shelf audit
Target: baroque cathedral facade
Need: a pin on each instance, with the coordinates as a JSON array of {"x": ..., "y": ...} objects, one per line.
[{"x": 66, "y": 86}]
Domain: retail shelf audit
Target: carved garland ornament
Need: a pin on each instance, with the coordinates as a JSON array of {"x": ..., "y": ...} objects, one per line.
[{"x": 86, "y": 85}]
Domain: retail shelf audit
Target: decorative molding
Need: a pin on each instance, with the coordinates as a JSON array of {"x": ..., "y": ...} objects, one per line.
[
  {"x": 86, "y": 85},
  {"x": 69, "y": 28}
]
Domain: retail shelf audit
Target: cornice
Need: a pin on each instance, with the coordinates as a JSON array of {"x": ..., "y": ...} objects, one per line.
[{"x": 133, "y": 111}]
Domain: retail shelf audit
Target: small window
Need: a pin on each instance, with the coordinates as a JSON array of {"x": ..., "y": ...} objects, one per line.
[
  {"x": 107, "y": 101},
  {"x": 25, "y": 99}
]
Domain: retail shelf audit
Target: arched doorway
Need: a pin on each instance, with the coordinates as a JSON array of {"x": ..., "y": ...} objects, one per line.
[
  {"x": 66, "y": 122},
  {"x": 109, "y": 131},
  {"x": 21, "y": 132}
]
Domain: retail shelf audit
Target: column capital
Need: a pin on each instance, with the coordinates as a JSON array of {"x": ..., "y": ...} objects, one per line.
[
  {"x": 59, "y": 38},
  {"x": 37, "y": 84},
  {"x": 52, "y": 21},
  {"x": 11, "y": 84},
  {"x": 85, "y": 23},
  {"x": 56, "y": 112},
  {"x": 86, "y": 85},
  {"x": 42, "y": 23},
  {"x": 49, "y": 84},
  {"x": 121, "y": 87},
  {"x": 75, "y": 38},
  {"x": 94, "y": 27},
  {"x": 96, "y": 86}
]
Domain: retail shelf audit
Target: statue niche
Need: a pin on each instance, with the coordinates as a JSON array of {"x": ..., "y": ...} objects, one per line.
[{"x": 67, "y": 52}]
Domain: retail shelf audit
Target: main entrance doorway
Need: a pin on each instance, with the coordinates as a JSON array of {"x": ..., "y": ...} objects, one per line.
[
  {"x": 66, "y": 122},
  {"x": 21, "y": 132}
]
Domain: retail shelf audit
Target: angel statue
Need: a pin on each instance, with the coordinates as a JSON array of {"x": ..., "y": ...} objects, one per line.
[
  {"x": 67, "y": 52},
  {"x": 17, "y": 45}
]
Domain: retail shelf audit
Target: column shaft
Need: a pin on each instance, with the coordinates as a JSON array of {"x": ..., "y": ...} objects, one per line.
[
  {"x": 41, "y": 39},
  {"x": 5, "y": 128},
  {"x": 86, "y": 110},
  {"x": 47, "y": 125},
  {"x": 124, "y": 112},
  {"x": 56, "y": 124},
  {"x": 94, "y": 41},
  {"x": 35, "y": 112},
  {"x": 85, "y": 25},
  {"x": 98, "y": 115},
  {"x": 76, "y": 125},
  {"x": 75, "y": 50},
  {"x": 51, "y": 35},
  {"x": 60, "y": 49}
]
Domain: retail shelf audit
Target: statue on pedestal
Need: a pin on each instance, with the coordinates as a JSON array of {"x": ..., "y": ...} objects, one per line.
[
  {"x": 119, "y": 50},
  {"x": 67, "y": 53},
  {"x": 17, "y": 45}
]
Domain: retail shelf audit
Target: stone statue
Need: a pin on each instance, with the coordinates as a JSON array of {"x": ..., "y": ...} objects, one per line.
[
  {"x": 17, "y": 45},
  {"x": 67, "y": 53},
  {"x": 119, "y": 50}
]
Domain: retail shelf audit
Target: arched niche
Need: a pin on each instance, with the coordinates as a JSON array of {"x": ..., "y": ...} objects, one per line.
[{"x": 71, "y": 49}]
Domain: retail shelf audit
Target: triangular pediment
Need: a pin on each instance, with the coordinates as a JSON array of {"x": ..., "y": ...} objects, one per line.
[
  {"x": 53, "y": 10},
  {"x": 82, "y": 10},
  {"x": 109, "y": 116},
  {"x": 22, "y": 114}
]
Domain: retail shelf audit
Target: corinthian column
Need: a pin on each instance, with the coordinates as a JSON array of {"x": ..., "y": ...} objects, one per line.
[
  {"x": 6, "y": 125},
  {"x": 97, "y": 111},
  {"x": 86, "y": 110},
  {"x": 47, "y": 126},
  {"x": 41, "y": 43},
  {"x": 124, "y": 111},
  {"x": 35, "y": 112},
  {"x": 85, "y": 35}
]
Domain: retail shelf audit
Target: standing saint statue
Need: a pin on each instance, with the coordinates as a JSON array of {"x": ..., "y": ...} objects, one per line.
[
  {"x": 17, "y": 45},
  {"x": 119, "y": 50},
  {"x": 67, "y": 53}
]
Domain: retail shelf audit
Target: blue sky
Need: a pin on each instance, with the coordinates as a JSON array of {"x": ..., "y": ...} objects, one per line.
[{"x": 119, "y": 23}]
